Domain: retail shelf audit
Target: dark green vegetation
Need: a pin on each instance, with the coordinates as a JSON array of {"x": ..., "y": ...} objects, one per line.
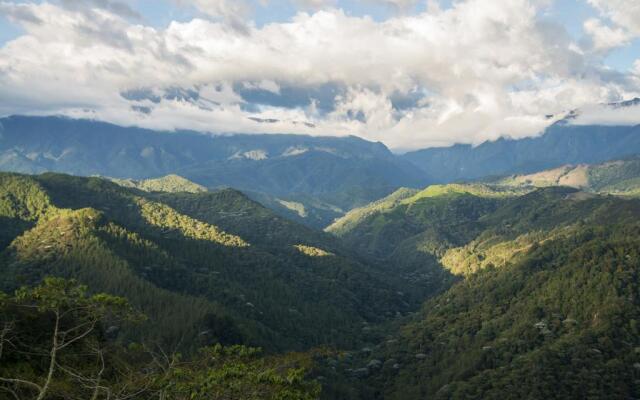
[
  {"x": 546, "y": 303},
  {"x": 530, "y": 290},
  {"x": 558, "y": 322},
  {"x": 57, "y": 342},
  {"x": 302, "y": 209},
  {"x": 205, "y": 268},
  {"x": 410, "y": 231}
]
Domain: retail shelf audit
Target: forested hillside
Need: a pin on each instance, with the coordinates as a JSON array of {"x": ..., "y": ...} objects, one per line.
[
  {"x": 527, "y": 292},
  {"x": 559, "y": 321},
  {"x": 205, "y": 267},
  {"x": 619, "y": 177},
  {"x": 411, "y": 230},
  {"x": 544, "y": 301},
  {"x": 170, "y": 183}
]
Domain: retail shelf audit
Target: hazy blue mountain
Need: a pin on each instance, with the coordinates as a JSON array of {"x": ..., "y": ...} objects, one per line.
[
  {"x": 561, "y": 144},
  {"x": 342, "y": 172},
  {"x": 310, "y": 179}
]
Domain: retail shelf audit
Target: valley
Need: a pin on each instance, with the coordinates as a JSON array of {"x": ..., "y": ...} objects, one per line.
[
  {"x": 495, "y": 288},
  {"x": 319, "y": 200}
]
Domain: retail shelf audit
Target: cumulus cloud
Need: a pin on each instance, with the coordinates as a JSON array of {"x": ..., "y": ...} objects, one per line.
[
  {"x": 607, "y": 114},
  {"x": 621, "y": 26},
  {"x": 20, "y": 13},
  {"x": 624, "y": 13},
  {"x": 605, "y": 37},
  {"x": 476, "y": 71}
]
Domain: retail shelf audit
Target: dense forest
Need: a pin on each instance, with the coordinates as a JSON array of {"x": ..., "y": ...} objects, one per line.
[
  {"x": 215, "y": 262},
  {"x": 466, "y": 291}
]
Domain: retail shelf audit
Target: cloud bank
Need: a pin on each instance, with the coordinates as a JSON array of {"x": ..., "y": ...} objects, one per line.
[{"x": 476, "y": 71}]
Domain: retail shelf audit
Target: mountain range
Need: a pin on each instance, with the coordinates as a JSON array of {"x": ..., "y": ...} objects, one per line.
[
  {"x": 338, "y": 173},
  {"x": 313, "y": 180},
  {"x": 358, "y": 276},
  {"x": 562, "y": 143}
]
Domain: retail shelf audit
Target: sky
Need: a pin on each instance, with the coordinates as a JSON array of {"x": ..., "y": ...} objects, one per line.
[{"x": 409, "y": 73}]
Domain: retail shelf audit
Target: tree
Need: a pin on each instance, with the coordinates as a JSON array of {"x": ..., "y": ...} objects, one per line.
[
  {"x": 239, "y": 372},
  {"x": 52, "y": 337},
  {"x": 56, "y": 343}
]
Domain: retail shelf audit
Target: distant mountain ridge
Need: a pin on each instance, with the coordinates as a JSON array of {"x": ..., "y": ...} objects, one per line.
[
  {"x": 562, "y": 143},
  {"x": 341, "y": 171},
  {"x": 313, "y": 180}
]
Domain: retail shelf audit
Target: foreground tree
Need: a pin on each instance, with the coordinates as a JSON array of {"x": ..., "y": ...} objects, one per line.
[
  {"x": 238, "y": 372},
  {"x": 53, "y": 338},
  {"x": 57, "y": 342}
]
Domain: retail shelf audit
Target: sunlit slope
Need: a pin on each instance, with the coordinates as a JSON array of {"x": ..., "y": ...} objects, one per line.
[
  {"x": 620, "y": 177},
  {"x": 247, "y": 268},
  {"x": 557, "y": 321},
  {"x": 538, "y": 294}
]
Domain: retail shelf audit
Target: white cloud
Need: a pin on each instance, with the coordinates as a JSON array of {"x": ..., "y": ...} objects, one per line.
[
  {"x": 398, "y": 4},
  {"x": 487, "y": 69},
  {"x": 324, "y": 4},
  {"x": 314, "y": 4},
  {"x": 623, "y": 25},
  {"x": 233, "y": 13},
  {"x": 605, "y": 37},
  {"x": 607, "y": 115},
  {"x": 624, "y": 13}
]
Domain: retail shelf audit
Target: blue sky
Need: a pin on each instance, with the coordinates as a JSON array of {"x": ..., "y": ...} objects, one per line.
[{"x": 409, "y": 73}]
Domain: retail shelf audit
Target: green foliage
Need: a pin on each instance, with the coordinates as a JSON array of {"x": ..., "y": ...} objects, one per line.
[
  {"x": 477, "y": 190},
  {"x": 548, "y": 276},
  {"x": 22, "y": 203},
  {"x": 163, "y": 216},
  {"x": 22, "y": 198},
  {"x": 52, "y": 340},
  {"x": 558, "y": 322},
  {"x": 312, "y": 251},
  {"x": 170, "y": 184},
  {"x": 409, "y": 232},
  {"x": 179, "y": 258},
  {"x": 354, "y": 217},
  {"x": 530, "y": 293},
  {"x": 56, "y": 342},
  {"x": 239, "y": 372}
]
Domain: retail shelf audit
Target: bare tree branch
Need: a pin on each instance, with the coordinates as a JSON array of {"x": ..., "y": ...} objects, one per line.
[
  {"x": 52, "y": 361},
  {"x": 22, "y": 382}
]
